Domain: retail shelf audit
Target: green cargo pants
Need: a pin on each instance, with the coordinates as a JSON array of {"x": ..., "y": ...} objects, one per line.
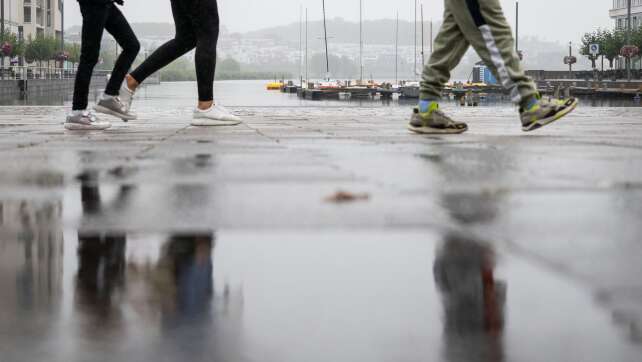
[{"x": 480, "y": 23}]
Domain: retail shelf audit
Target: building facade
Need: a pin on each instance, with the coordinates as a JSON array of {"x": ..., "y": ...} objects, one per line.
[
  {"x": 619, "y": 13},
  {"x": 31, "y": 18}
]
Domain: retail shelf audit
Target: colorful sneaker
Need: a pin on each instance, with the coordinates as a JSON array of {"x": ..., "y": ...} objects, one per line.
[
  {"x": 85, "y": 121},
  {"x": 545, "y": 111},
  {"x": 434, "y": 122},
  {"x": 215, "y": 116},
  {"x": 113, "y": 106}
]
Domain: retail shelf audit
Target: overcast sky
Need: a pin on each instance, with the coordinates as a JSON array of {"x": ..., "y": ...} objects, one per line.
[{"x": 560, "y": 20}]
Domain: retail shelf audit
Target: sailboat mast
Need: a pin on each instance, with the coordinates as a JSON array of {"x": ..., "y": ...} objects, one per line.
[
  {"x": 307, "y": 78},
  {"x": 301, "y": 44},
  {"x": 325, "y": 33},
  {"x": 361, "y": 40},
  {"x": 423, "y": 57},
  {"x": 397, "y": 50},
  {"x": 415, "y": 44},
  {"x": 431, "y": 37}
]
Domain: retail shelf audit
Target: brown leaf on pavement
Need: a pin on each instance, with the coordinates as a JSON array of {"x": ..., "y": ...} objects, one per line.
[{"x": 345, "y": 196}]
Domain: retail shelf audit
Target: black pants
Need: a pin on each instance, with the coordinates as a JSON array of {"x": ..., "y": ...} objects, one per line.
[
  {"x": 95, "y": 19},
  {"x": 197, "y": 26}
]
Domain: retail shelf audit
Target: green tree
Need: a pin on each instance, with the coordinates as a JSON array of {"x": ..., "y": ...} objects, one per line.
[
  {"x": 41, "y": 49},
  {"x": 611, "y": 43},
  {"x": 73, "y": 51},
  {"x": 229, "y": 65},
  {"x": 180, "y": 70},
  {"x": 17, "y": 45},
  {"x": 587, "y": 40},
  {"x": 636, "y": 39}
]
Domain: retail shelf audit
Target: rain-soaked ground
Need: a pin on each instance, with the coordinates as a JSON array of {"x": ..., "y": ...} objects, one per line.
[{"x": 155, "y": 241}]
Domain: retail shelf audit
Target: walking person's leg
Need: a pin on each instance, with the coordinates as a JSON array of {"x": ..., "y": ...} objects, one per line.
[
  {"x": 449, "y": 48},
  {"x": 117, "y": 98},
  {"x": 94, "y": 19},
  {"x": 197, "y": 26},
  {"x": 206, "y": 24},
  {"x": 485, "y": 27},
  {"x": 183, "y": 42}
]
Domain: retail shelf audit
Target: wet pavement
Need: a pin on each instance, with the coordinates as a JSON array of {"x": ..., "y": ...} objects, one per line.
[{"x": 156, "y": 241}]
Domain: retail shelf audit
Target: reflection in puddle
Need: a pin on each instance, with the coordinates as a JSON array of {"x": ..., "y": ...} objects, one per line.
[
  {"x": 473, "y": 300},
  {"x": 103, "y": 294}
]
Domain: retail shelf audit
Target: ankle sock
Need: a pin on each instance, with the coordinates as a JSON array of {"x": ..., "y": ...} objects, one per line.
[
  {"x": 530, "y": 103},
  {"x": 426, "y": 106}
]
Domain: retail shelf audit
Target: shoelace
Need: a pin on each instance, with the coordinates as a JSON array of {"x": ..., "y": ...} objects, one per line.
[
  {"x": 123, "y": 107},
  {"x": 89, "y": 115}
]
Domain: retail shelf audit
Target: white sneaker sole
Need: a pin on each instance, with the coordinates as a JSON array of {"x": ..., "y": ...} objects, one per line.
[
  {"x": 83, "y": 127},
  {"x": 107, "y": 111},
  {"x": 202, "y": 122}
]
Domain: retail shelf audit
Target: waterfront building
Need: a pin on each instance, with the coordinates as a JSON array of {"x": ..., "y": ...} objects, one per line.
[
  {"x": 619, "y": 13},
  {"x": 31, "y": 18}
]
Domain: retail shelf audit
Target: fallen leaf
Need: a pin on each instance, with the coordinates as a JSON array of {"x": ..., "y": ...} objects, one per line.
[{"x": 344, "y": 196}]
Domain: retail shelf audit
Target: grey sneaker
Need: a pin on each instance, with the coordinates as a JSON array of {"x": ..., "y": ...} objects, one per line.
[
  {"x": 113, "y": 106},
  {"x": 434, "y": 122},
  {"x": 546, "y": 111},
  {"x": 85, "y": 121}
]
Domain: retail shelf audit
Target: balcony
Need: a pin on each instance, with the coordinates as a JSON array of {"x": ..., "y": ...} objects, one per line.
[{"x": 620, "y": 12}]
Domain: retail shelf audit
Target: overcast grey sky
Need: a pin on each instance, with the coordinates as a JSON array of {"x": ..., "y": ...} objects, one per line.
[{"x": 560, "y": 20}]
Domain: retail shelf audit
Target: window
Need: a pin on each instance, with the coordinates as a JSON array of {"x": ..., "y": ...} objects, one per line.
[
  {"x": 48, "y": 13},
  {"x": 27, "y": 14}
]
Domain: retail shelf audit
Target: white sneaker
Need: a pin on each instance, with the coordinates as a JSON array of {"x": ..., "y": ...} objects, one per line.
[
  {"x": 215, "y": 116},
  {"x": 126, "y": 96},
  {"x": 85, "y": 121}
]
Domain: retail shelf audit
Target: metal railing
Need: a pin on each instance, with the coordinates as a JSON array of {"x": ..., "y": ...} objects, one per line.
[{"x": 22, "y": 73}]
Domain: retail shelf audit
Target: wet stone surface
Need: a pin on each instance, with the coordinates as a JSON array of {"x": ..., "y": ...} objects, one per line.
[{"x": 159, "y": 241}]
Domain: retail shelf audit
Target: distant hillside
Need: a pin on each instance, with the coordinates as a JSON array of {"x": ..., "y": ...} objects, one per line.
[
  {"x": 145, "y": 30},
  {"x": 341, "y": 31}
]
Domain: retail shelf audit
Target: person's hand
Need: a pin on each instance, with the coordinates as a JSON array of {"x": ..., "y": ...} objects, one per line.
[{"x": 119, "y": 2}]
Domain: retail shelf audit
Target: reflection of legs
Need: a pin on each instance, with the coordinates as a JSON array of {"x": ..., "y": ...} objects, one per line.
[
  {"x": 101, "y": 266},
  {"x": 183, "y": 42},
  {"x": 450, "y": 47},
  {"x": 191, "y": 257},
  {"x": 120, "y": 29}
]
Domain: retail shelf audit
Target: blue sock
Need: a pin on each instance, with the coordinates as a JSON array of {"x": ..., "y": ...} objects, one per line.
[
  {"x": 530, "y": 103},
  {"x": 426, "y": 105}
]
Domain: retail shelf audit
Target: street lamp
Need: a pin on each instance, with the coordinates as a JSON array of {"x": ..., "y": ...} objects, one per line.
[
  {"x": 2, "y": 33},
  {"x": 628, "y": 39}
]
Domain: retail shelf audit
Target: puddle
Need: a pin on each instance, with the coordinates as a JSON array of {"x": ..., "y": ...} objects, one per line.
[{"x": 204, "y": 295}]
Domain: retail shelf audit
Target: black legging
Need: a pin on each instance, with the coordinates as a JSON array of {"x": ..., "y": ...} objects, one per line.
[
  {"x": 96, "y": 18},
  {"x": 197, "y": 25}
]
